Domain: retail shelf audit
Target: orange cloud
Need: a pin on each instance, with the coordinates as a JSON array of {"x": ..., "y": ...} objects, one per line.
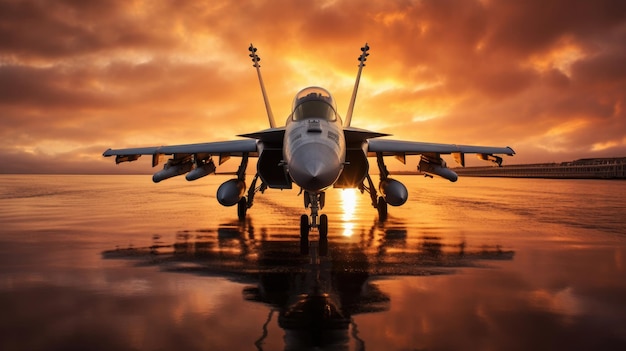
[{"x": 79, "y": 77}]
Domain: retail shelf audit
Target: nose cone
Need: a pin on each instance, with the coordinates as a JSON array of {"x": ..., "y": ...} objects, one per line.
[{"x": 315, "y": 168}]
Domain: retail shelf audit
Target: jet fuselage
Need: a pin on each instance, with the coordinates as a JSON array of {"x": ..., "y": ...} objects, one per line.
[{"x": 314, "y": 146}]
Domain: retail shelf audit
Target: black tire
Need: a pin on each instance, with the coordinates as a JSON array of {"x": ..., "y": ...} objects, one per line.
[
  {"x": 304, "y": 234},
  {"x": 382, "y": 209},
  {"x": 323, "y": 227},
  {"x": 242, "y": 208},
  {"x": 304, "y": 226}
]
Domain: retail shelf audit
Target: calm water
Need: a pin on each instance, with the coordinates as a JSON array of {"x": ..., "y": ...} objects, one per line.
[{"x": 120, "y": 263}]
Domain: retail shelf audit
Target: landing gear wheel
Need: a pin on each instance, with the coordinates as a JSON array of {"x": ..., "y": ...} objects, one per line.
[
  {"x": 242, "y": 207},
  {"x": 304, "y": 234},
  {"x": 382, "y": 209},
  {"x": 323, "y": 226},
  {"x": 323, "y": 230}
]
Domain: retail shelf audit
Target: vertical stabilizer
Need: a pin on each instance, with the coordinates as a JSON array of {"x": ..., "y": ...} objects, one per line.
[
  {"x": 256, "y": 59},
  {"x": 362, "y": 60}
]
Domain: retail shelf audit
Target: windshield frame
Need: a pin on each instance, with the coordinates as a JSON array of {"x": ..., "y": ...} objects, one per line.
[{"x": 314, "y": 102}]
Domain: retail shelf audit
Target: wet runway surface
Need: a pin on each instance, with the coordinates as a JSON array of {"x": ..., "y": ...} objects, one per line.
[{"x": 116, "y": 262}]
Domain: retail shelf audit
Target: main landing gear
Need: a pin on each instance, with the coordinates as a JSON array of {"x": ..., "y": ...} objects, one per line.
[
  {"x": 315, "y": 201},
  {"x": 378, "y": 202},
  {"x": 244, "y": 202}
]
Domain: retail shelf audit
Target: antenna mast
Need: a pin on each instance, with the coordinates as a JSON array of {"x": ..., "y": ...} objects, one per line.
[
  {"x": 256, "y": 59},
  {"x": 362, "y": 60}
]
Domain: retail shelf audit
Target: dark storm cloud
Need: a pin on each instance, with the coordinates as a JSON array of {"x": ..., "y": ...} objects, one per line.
[
  {"x": 60, "y": 29},
  {"x": 46, "y": 87},
  {"x": 527, "y": 27}
]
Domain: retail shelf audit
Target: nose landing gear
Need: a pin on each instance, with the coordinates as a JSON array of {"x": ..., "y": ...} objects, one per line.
[{"x": 315, "y": 201}]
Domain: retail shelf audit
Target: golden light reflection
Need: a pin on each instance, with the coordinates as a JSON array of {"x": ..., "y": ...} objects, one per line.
[
  {"x": 348, "y": 206},
  {"x": 567, "y": 127},
  {"x": 556, "y": 138},
  {"x": 603, "y": 145},
  {"x": 561, "y": 57},
  {"x": 563, "y": 301},
  {"x": 389, "y": 18},
  {"x": 348, "y": 229}
]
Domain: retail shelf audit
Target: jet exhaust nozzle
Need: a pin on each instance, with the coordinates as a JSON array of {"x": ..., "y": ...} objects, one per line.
[
  {"x": 393, "y": 192},
  {"x": 230, "y": 192}
]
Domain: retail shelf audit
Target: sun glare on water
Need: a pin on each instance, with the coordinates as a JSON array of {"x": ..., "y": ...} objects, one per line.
[{"x": 348, "y": 205}]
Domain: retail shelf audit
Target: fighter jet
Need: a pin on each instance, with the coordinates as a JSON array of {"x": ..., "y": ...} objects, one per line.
[{"x": 314, "y": 151}]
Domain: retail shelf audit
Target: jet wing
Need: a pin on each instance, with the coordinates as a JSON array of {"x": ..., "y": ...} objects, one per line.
[
  {"x": 391, "y": 147},
  {"x": 400, "y": 148},
  {"x": 203, "y": 150}
]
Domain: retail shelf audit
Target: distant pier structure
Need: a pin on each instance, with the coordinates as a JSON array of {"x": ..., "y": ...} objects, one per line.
[{"x": 586, "y": 168}]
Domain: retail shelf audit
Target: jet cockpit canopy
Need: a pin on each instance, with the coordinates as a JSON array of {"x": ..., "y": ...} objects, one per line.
[{"x": 314, "y": 102}]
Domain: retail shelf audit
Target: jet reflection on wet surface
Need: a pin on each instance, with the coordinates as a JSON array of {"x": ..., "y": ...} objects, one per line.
[{"x": 315, "y": 296}]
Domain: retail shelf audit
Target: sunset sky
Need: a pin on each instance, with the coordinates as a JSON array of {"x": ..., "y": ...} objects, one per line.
[{"x": 546, "y": 77}]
